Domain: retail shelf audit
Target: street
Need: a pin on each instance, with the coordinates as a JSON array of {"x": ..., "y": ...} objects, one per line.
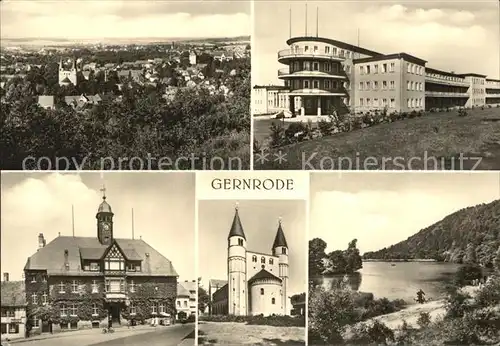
[{"x": 160, "y": 336}]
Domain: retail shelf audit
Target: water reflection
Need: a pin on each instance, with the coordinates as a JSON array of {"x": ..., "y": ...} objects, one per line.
[{"x": 335, "y": 281}]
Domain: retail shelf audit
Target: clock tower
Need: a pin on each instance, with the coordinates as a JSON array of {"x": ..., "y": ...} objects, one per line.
[{"x": 104, "y": 218}]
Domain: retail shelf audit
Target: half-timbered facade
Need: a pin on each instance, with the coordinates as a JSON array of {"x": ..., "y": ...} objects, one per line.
[{"x": 78, "y": 282}]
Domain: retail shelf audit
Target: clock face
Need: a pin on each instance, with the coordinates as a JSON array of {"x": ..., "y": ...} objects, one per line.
[{"x": 105, "y": 226}]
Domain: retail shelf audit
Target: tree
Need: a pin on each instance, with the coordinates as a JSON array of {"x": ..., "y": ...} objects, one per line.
[
  {"x": 470, "y": 254},
  {"x": 497, "y": 261},
  {"x": 317, "y": 248},
  {"x": 203, "y": 298},
  {"x": 353, "y": 257}
]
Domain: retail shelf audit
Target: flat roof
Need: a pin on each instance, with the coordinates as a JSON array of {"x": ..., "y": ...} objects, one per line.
[
  {"x": 336, "y": 43},
  {"x": 404, "y": 56},
  {"x": 492, "y": 80},
  {"x": 450, "y": 74},
  {"x": 473, "y": 74}
]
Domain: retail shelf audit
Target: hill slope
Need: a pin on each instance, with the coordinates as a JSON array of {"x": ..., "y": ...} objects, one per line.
[{"x": 468, "y": 235}]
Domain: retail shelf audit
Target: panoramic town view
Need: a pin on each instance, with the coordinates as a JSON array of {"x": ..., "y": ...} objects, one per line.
[
  {"x": 107, "y": 85},
  {"x": 253, "y": 272},
  {"x": 376, "y": 85},
  {"x": 90, "y": 261},
  {"x": 416, "y": 260}
]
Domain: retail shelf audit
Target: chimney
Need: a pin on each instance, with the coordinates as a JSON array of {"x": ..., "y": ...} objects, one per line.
[
  {"x": 41, "y": 241},
  {"x": 6, "y": 277}
]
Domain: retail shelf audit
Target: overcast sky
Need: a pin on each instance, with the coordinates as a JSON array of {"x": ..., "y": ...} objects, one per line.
[
  {"x": 451, "y": 35},
  {"x": 260, "y": 222},
  {"x": 381, "y": 209},
  {"x": 41, "y": 203},
  {"x": 124, "y": 18}
]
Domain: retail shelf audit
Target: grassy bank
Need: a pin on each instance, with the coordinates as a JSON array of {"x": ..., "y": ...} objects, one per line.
[
  {"x": 443, "y": 136},
  {"x": 233, "y": 333}
]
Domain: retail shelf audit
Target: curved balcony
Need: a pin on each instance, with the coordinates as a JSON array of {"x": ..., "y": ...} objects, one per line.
[
  {"x": 284, "y": 73},
  {"x": 292, "y": 54},
  {"x": 430, "y": 79},
  {"x": 317, "y": 92},
  {"x": 445, "y": 94},
  {"x": 493, "y": 95}
]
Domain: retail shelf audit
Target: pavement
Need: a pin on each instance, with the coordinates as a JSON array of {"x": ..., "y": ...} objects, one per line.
[{"x": 140, "y": 335}]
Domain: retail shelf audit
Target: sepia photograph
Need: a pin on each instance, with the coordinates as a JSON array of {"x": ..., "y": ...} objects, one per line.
[
  {"x": 366, "y": 85},
  {"x": 253, "y": 272},
  {"x": 98, "y": 259},
  {"x": 404, "y": 259},
  {"x": 125, "y": 85}
]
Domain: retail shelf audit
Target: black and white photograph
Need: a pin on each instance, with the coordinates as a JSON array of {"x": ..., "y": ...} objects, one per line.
[
  {"x": 388, "y": 85},
  {"x": 404, "y": 259},
  {"x": 125, "y": 85},
  {"x": 253, "y": 269},
  {"x": 98, "y": 259}
]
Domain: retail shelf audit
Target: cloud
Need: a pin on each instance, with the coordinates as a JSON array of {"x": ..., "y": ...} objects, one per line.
[{"x": 97, "y": 19}]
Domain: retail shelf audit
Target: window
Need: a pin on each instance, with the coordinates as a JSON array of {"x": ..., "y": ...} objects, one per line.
[
  {"x": 283, "y": 250},
  {"x": 34, "y": 298},
  {"x": 162, "y": 308},
  {"x": 375, "y": 85},
  {"x": 327, "y": 50},
  {"x": 315, "y": 49},
  {"x": 367, "y": 86},
  {"x": 263, "y": 260},
  {"x": 94, "y": 266},
  {"x": 375, "y": 68},
  {"x": 408, "y": 85},
  {"x": 185, "y": 303},
  {"x": 153, "y": 309},
  {"x": 35, "y": 322},
  {"x": 408, "y": 101},
  {"x": 273, "y": 300},
  {"x": 271, "y": 261},
  {"x": 33, "y": 278},
  {"x": 368, "y": 102},
  {"x": 392, "y": 67},
  {"x": 315, "y": 84},
  {"x": 361, "y": 85},
  {"x": 240, "y": 242},
  {"x": 342, "y": 53},
  {"x": 44, "y": 278},
  {"x": 94, "y": 310},
  {"x": 348, "y": 54},
  {"x": 63, "y": 309},
  {"x": 132, "y": 286},
  {"x": 375, "y": 102},
  {"x": 61, "y": 287},
  {"x": 254, "y": 258},
  {"x": 306, "y": 84},
  {"x": 327, "y": 84},
  {"x": 408, "y": 65},
  {"x": 306, "y": 49},
  {"x": 334, "y": 50},
  {"x": 328, "y": 67},
  {"x": 384, "y": 68},
  {"x": 95, "y": 287},
  {"x": 261, "y": 291},
  {"x": 179, "y": 303},
  {"x": 384, "y": 85},
  {"x": 412, "y": 86},
  {"x": 413, "y": 69},
  {"x": 132, "y": 308},
  {"x": 44, "y": 298},
  {"x": 362, "y": 70},
  {"x": 384, "y": 102},
  {"x": 72, "y": 310},
  {"x": 393, "y": 103},
  {"x": 348, "y": 69},
  {"x": 368, "y": 69},
  {"x": 315, "y": 66},
  {"x": 74, "y": 287}
]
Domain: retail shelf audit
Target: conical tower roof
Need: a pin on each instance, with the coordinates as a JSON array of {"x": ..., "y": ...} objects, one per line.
[
  {"x": 280, "y": 239},
  {"x": 236, "y": 227}
]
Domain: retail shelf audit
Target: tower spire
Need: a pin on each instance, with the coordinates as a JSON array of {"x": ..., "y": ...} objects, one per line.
[
  {"x": 103, "y": 190},
  {"x": 236, "y": 227}
]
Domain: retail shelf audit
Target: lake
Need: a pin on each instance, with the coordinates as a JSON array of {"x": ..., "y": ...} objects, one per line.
[{"x": 401, "y": 281}]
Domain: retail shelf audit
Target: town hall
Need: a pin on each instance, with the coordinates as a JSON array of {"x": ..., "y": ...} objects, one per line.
[{"x": 256, "y": 282}]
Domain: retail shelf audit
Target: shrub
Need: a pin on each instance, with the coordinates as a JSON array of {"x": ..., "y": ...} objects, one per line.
[
  {"x": 325, "y": 127},
  {"x": 377, "y": 333},
  {"x": 403, "y": 334},
  {"x": 489, "y": 294},
  {"x": 424, "y": 319},
  {"x": 466, "y": 274},
  {"x": 273, "y": 320},
  {"x": 277, "y": 134},
  {"x": 462, "y": 112},
  {"x": 457, "y": 304}
]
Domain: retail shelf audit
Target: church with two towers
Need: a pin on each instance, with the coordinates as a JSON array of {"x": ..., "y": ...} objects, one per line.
[{"x": 256, "y": 282}]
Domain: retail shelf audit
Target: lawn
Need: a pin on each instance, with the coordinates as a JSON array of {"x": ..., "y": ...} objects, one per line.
[
  {"x": 231, "y": 333},
  {"x": 434, "y": 141}
]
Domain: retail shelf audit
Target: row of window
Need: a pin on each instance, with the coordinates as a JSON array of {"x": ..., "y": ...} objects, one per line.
[
  {"x": 110, "y": 286},
  {"x": 391, "y": 103},
  {"x": 263, "y": 259},
  {"x": 478, "y": 91},
  {"x": 415, "y": 69},
  {"x": 317, "y": 66},
  {"x": 316, "y": 84},
  {"x": 449, "y": 78},
  {"x": 415, "y": 86},
  {"x": 477, "y": 81},
  {"x": 179, "y": 304},
  {"x": 328, "y": 50},
  {"x": 375, "y": 85},
  {"x": 367, "y": 69}
]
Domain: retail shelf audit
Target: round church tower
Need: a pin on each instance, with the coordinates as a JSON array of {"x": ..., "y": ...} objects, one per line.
[{"x": 265, "y": 294}]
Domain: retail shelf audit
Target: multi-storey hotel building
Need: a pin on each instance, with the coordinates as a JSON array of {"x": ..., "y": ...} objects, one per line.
[{"x": 323, "y": 74}]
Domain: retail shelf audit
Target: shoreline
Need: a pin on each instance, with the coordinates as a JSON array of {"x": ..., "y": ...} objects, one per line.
[{"x": 402, "y": 260}]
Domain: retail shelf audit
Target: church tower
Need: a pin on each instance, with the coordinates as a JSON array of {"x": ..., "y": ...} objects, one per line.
[
  {"x": 104, "y": 218},
  {"x": 68, "y": 77},
  {"x": 280, "y": 249},
  {"x": 236, "y": 280}
]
